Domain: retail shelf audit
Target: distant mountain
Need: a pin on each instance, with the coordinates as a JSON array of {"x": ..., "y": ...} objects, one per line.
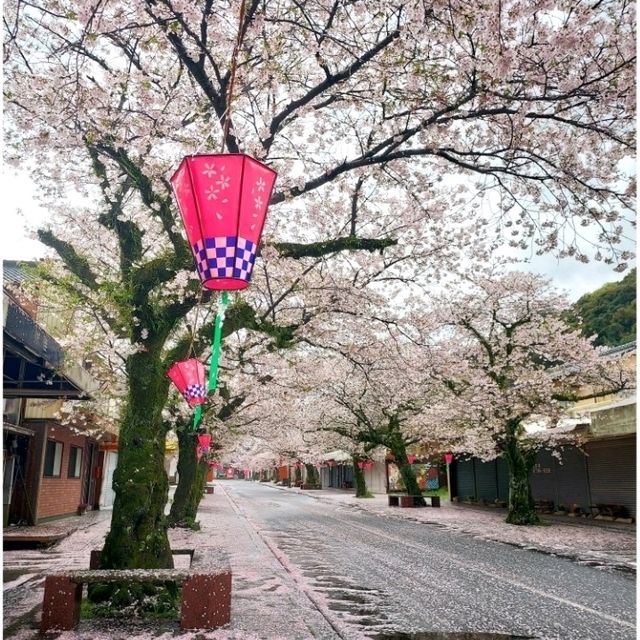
[{"x": 609, "y": 311}]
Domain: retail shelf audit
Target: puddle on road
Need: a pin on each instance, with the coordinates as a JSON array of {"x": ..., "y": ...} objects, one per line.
[{"x": 445, "y": 635}]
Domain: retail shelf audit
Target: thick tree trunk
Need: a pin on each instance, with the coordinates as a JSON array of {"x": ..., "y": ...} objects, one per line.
[
  {"x": 358, "y": 474},
  {"x": 138, "y": 534},
  {"x": 521, "y": 508},
  {"x": 399, "y": 451},
  {"x": 312, "y": 474},
  {"x": 197, "y": 491},
  {"x": 187, "y": 464}
]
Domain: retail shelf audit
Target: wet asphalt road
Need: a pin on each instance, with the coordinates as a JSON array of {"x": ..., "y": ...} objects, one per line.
[{"x": 374, "y": 575}]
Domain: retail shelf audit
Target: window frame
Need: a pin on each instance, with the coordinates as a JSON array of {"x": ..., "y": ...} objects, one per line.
[
  {"x": 74, "y": 460},
  {"x": 53, "y": 465}
]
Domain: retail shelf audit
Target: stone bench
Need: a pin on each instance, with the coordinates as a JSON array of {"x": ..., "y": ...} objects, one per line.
[
  {"x": 206, "y": 590},
  {"x": 413, "y": 501}
]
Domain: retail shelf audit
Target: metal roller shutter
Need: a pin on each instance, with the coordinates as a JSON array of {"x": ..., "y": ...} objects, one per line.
[
  {"x": 503, "y": 479},
  {"x": 465, "y": 483},
  {"x": 612, "y": 472},
  {"x": 543, "y": 479},
  {"x": 486, "y": 480},
  {"x": 571, "y": 479}
]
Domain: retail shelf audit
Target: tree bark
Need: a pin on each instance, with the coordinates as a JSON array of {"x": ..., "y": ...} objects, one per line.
[
  {"x": 197, "y": 491},
  {"x": 399, "y": 451},
  {"x": 361, "y": 484},
  {"x": 521, "y": 508},
  {"x": 138, "y": 534},
  {"x": 312, "y": 474},
  {"x": 187, "y": 464}
]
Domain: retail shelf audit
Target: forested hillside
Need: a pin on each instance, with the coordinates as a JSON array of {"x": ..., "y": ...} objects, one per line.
[{"x": 609, "y": 311}]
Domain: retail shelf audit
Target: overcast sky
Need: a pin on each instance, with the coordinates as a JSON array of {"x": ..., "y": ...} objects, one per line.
[{"x": 22, "y": 212}]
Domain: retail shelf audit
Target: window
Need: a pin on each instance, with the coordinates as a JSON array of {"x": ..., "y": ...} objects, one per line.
[
  {"x": 75, "y": 462},
  {"x": 11, "y": 410},
  {"x": 53, "y": 459}
]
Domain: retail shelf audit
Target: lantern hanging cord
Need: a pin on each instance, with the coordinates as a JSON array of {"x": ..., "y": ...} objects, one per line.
[
  {"x": 232, "y": 75},
  {"x": 217, "y": 340},
  {"x": 215, "y": 355}
]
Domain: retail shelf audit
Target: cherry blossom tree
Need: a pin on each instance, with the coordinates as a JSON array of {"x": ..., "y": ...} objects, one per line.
[
  {"x": 507, "y": 359},
  {"x": 397, "y": 131}
]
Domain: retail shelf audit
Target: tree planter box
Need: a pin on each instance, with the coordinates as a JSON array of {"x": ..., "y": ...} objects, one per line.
[
  {"x": 208, "y": 489},
  {"x": 206, "y": 590}
]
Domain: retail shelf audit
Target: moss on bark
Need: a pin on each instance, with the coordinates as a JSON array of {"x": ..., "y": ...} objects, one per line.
[
  {"x": 187, "y": 463},
  {"x": 138, "y": 534},
  {"x": 313, "y": 477},
  {"x": 358, "y": 474},
  {"x": 197, "y": 490},
  {"x": 521, "y": 506}
]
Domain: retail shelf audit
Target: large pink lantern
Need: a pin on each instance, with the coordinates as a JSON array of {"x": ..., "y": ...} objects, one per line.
[
  {"x": 188, "y": 376},
  {"x": 223, "y": 200}
]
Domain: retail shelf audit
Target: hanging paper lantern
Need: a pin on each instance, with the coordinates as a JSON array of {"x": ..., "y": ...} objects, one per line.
[
  {"x": 204, "y": 441},
  {"x": 368, "y": 464},
  {"x": 448, "y": 458},
  {"x": 188, "y": 376},
  {"x": 361, "y": 464},
  {"x": 411, "y": 459},
  {"x": 223, "y": 201}
]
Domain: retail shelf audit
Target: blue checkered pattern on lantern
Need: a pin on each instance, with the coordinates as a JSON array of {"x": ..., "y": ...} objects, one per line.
[
  {"x": 194, "y": 391},
  {"x": 225, "y": 257}
]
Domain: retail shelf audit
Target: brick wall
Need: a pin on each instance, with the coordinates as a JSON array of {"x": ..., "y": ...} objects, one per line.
[{"x": 59, "y": 496}]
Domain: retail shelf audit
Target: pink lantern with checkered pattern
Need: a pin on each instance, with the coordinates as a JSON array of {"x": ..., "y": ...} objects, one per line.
[
  {"x": 223, "y": 200},
  {"x": 189, "y": 378}
]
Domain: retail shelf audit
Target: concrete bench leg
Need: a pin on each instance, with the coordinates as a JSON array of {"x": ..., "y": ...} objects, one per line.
[
  {"x": 61, "y": 604},
  {"x": 206, "y": 601}
]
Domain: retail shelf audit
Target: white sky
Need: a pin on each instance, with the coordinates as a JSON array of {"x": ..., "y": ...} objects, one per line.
[{"x": 22, "y": 213}]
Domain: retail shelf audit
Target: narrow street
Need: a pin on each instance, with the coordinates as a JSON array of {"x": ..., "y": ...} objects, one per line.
[
  {"x": 383, "y": 575},
  {"x": 308, "y": 568}
]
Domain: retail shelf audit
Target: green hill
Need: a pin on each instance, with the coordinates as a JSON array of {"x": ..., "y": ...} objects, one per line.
[{"x": 609, "y": 311}]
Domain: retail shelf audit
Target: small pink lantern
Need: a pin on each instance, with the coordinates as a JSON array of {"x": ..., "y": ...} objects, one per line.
[
  {"x": 361, "y": 464},
  {"x": 204, "y": 442},
  {"x": 411, "y": 459},
  {"x": 448, "y": 457},
  {"x": 368, "y": 464},
  {"x": 223, "y": 200},
  {"x": 188, "y": 376}
]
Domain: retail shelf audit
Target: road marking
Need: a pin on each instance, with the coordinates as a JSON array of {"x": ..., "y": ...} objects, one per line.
[{"x": 502, "y": 578}]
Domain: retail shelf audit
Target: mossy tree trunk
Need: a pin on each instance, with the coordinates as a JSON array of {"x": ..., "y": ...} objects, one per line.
[
  {"x": 313, "y": 477},
  {"x": 358, "y": 474},
  {"x": 399, "y": 450},
  {"x": 521, "y": 506},
  {"x": 138, "y": 534},
  {"x": 187, "y": 464},
  {"x": 197, "y": 490}
]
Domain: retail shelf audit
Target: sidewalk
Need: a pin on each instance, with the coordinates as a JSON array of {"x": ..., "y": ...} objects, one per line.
[
  {"x": 609, "y": 545},
  {"x": 265, "y": 598}
]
